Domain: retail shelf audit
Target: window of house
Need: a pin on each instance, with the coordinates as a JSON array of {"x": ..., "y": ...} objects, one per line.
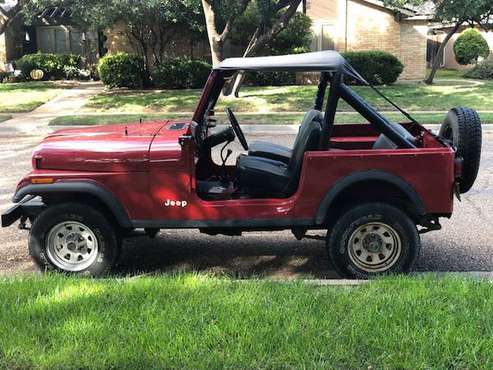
[{"x": 59, "y": 40}]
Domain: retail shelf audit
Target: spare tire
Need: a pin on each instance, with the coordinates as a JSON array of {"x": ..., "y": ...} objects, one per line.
[{"x": 462, "y": 127}]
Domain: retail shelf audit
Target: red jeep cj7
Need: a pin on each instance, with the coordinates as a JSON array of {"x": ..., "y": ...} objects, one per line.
[{"x": 374, "y": 186}]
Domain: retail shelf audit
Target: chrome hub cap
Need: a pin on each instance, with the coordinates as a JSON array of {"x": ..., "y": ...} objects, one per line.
[
  {"x": 72, "y": 246},
  {"x": 374, "y": 247}
]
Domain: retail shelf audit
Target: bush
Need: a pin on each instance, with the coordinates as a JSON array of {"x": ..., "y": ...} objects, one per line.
[
  {"x": 377, "y": 67},
  {"x": 54, "y": 66},
  {"x": 181, "y": 73},
  {"x": 270, "y": 78},
  {"x": 121, "y": 70},
  {"x": 482, "y": 71},
  {"x": 470, "y": 46}
]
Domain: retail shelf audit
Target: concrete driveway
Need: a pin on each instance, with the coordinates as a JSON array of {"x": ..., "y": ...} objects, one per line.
[{"x": 464, "y": 244}]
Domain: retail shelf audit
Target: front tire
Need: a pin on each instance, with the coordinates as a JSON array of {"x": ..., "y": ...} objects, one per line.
[
  {"x": 373, "y": 239},
  {"x": 73, "y": 238}
]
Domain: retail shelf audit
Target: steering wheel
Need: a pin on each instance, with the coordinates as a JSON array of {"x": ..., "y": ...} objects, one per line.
[{"x": 237, "y": 129}]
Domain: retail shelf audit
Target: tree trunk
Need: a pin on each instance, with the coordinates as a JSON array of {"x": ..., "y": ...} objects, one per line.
[
  {"x": 234, "y": 84},
  {"x": 215, "y": 40},
  {"x": 259, "y": 40},
  {"x": 439, "y": 54},
  {"x": 7, "y": 17}
]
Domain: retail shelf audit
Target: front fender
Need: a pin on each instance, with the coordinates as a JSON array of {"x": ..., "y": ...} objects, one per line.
[{"x": 106, "y": 197}]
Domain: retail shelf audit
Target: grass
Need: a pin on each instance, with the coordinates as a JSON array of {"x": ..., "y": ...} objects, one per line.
[
  {"x": 447, "y": 74},
  {"x": 199, "y": 322},
  {"x": 277, "y": 119},
  {"x": 26, "y": 96},
  {"x": 5, "y": 117},
  {"x": 441, "y": 96}
]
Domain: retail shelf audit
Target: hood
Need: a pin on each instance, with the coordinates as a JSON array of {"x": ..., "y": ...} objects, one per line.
[{"x": 111, "y": 148}]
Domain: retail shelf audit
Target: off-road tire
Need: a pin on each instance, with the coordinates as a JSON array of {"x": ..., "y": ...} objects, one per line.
[
  {"x": 108, "y": 240},
  {"x": 463, "y": 127},
  {"x": 339, "y": 236}
]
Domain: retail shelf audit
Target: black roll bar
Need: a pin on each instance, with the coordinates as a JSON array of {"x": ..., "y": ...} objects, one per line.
[
  {"x": 330, "y": 110},
  {"x": 367, "y": 111},
  {"x": 322, "y": 86}
]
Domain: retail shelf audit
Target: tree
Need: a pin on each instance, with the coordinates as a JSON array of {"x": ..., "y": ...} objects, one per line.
[
  {"x": 456, "y": 13},
  {"x": 294, "y": 37},
  {"x": 470, "y": 46},
  {"x": 9, "y": 10},
  {"x": 150, "y": 25},
  {"x": 220, "y": 19}
]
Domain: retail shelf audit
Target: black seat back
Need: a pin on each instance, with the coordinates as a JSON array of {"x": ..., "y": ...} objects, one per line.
[
  {"x": 307, "y": 140},
  {"x": 383, "y": 142},
  {"x": 310, "y": 117}
]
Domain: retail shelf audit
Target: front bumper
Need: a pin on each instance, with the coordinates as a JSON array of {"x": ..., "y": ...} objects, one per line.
[{"x": 29, "y": 207}]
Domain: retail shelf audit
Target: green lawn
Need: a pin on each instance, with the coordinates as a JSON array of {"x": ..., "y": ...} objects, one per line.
[
  {"x": 441, "y": 96},
  {"x": 447, "y": 73},
  {"x": 278, "y": 119},
  {"x": 201, "y": 322},
  {"x": 5, "y": 117},
  {"x": 26, "y": 96}
]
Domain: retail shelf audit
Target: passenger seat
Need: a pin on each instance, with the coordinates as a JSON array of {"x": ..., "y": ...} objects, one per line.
[{"x": 281, "y": 153}]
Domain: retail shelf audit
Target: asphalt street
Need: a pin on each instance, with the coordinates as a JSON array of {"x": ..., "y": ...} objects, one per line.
[{"x": 464, "y": 244}]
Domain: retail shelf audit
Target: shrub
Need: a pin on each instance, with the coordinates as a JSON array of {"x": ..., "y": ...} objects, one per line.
[
  {"x": 53, "y": 65},
  {"x": 377, "y": 67},
  {"x": 271, "y": 78},
  {"x": 121, "y": 70},
  {"x": 469, "y": 46},
  {"x": 181, "y": 73},
  {"x": 482, "y": 71}
]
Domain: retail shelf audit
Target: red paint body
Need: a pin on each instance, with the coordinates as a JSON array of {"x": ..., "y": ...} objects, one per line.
[{"x": 144, "y": 165}]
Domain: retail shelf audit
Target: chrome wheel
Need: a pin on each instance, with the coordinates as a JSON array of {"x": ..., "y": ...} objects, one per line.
[
  {"x": 374, "y": 247},
  {"x": 72, "y": 246}
]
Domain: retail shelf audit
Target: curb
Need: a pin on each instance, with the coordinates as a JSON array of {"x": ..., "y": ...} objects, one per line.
[{"x": 476, "y": 275}]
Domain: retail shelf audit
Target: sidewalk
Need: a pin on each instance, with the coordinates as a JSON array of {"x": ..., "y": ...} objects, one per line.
[{"x": 35, "y": 123}]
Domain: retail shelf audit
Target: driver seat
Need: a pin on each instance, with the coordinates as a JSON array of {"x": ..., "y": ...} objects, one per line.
[
  {"x": 278, "y": 152},
  {"x": 265, "y": 177}
]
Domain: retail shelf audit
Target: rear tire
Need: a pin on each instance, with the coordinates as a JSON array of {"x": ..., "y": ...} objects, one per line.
[
  {"x": 373, "y": 239},
  {"x": 75, "y": 239},
  {"x": 462, "y": 126}
]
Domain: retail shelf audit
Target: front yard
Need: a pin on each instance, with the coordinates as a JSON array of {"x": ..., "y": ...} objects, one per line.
[
  {"x": 411, "y": 96},
  {"x": 199, "y": 321},
  {"x": 25, "y": 96},
  {"x": 286, "y": 104}
]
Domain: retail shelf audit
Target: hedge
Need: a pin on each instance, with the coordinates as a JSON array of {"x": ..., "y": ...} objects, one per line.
[
  {"x": 181, "y": 73},
  {"x": 279, "y": 78},
  {"x": 121, "y": 70},
  {"x": 54, "y": 66},
  {"x": 483, "y": 71},
  {"x": 377, "y": 67}
]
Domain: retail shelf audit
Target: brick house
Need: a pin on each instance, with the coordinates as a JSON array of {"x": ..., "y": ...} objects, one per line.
[
  {"x": 436, "y": 35},
  {"x": 356, "y": 25},
  {"x": 52, "y": 32},
  {"x": 343, "y": 25}
]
